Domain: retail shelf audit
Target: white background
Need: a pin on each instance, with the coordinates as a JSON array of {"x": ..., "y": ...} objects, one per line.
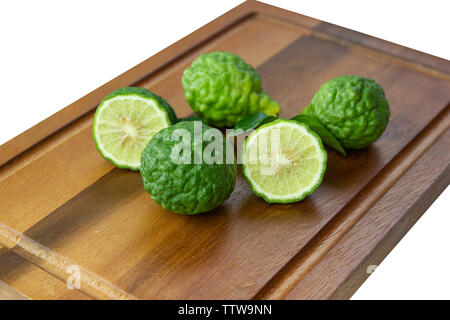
[{"x": 54, "y": 52}]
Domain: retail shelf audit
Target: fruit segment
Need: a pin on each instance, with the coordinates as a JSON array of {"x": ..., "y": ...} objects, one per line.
[
  {"x": 125, "y": 122},
  {"x": 284, "y": 161}
]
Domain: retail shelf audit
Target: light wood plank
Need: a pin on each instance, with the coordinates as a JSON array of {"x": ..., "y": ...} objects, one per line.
[{"x": 8, "y": 293}]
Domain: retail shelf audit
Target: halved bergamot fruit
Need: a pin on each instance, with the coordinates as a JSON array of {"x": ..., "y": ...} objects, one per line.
[
  {"x": 283, "y": 161},
  {"x": 125, "y": 121}
]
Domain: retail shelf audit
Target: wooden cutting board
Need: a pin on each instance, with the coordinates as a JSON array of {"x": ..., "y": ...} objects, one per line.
[{"x": 63, "y": 206}]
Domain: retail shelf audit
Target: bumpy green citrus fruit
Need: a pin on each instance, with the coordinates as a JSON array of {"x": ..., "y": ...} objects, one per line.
[
  {"x": 222, "y": 89},
  {"x": 125, "y": 121},
  {"x": 353, "y": 108},
  {"x": 188, "y": 183}
]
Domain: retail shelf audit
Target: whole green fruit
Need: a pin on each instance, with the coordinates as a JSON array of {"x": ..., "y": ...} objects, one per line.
[
  {"x": 222, "y": 89},
  {"x": 192, "y": 186},
  {"x": 353, "y": 108}
]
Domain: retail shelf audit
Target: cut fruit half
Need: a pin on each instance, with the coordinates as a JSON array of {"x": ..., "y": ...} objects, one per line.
[
  {"x": 125, "y": 122},
  {"x": 283, "y": 161}
]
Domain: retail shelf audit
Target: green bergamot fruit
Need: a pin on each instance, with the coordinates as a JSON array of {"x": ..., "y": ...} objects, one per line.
[
  {"x": 125, "y": 121},
  {"x": 195, "y": 184},
  {"x": 222, "y": 89},
  {"x": 294, "y": 166},
  {"x": 353, "y": 108}
]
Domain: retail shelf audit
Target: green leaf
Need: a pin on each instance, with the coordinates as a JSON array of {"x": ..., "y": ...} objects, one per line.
[
  {"x": 251, "y": 122},
  {"x": 321, "y": 131},
  {"x": 190, "y": 118}
]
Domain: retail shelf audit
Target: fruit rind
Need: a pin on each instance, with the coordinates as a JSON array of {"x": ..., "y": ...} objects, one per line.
[
  {"x": 189, "y": 188},
  {"x": 353, "y": 108},
  {"x": 222, "y": 89},
  {"x": 295, "y": 198}
]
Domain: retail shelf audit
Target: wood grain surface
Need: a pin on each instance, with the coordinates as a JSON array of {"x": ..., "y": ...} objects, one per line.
[
  {"x": 8, "y": 293},
  {"x": 62, "y": 204}
]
